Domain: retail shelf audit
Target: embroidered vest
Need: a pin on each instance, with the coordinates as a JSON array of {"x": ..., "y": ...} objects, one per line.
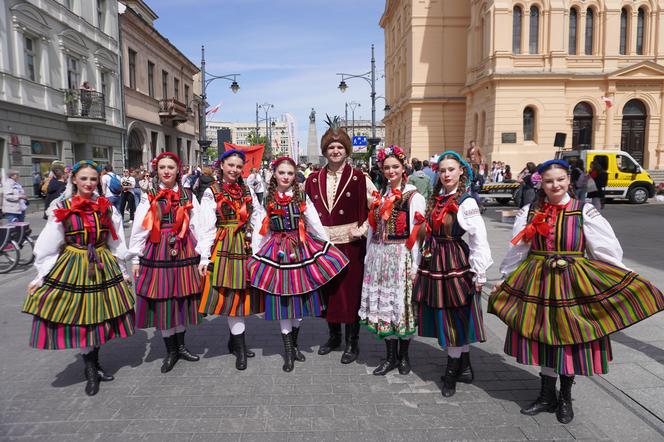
[
  {"x": 568, "y": 234},
  {"x": 397, "y": 227},
  {"x": 227, "y": 213},
  {"x": 75, "y": 232},
  {"x": 166, "y": 210}
]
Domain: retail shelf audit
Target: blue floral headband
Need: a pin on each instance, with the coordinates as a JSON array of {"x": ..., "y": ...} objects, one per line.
[
  {"x": 82, "y": 163},
  {"x": 464, "y": 163},
  {"x": 547, "y": 164},
  {"x": 230, "y": 152}
]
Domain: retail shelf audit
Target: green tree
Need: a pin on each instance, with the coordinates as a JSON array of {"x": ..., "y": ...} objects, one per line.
[
  {"x": 210, "y": 154},
  {"x": 253, "y": 139}
]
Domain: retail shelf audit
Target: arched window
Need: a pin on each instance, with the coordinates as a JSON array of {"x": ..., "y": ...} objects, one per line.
[
  {"x": 533, "y": 39},
  {"x": 573, "y": 20},
  {"x": 640, "y": 27},
  {"x": 582, "y": 126},
  {"x": 590, "y": 31},
  {"x": 623, "y": 31},
  {"x": 528, "y": 124},
  {"x": 517, "y": 14}
]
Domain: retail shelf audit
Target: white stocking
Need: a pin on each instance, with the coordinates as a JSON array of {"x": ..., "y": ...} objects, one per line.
[
  {"x": 168, "y": 332},
  {"x": 236, "y": 325},
  {"x": 454, "y": 352}
]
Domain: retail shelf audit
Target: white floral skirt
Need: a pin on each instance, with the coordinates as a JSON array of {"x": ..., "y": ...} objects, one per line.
[{"x": 385, "y": 307}]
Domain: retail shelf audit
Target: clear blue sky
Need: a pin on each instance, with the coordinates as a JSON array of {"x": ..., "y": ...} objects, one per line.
[{"x": 287, "y": 52}]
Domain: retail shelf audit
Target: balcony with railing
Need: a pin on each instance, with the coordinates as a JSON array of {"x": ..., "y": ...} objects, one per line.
[
  {"x": 85, "y": 106},
  {"x": 172, "y": 110}
]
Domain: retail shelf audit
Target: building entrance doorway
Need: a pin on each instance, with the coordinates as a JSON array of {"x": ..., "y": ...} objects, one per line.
[
  {"x": 135, "y": 150},
  {"x": 633, "y": 135},
  {"x": 582, "y": 127}
]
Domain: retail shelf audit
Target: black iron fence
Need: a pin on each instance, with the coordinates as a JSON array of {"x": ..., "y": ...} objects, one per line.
[{"x": 83, "y": 103}]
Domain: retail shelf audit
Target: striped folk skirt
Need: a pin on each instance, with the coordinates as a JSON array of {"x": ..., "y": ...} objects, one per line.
[
  {"x": 294, "y": 306},
  {"x": 81, "y": 304},
  {"x": 567, "y": 299},
  {"x": 447, "y": 305},
  {"x": 226, "y": 289},
  {"x": 386, "y": 307},
  {"x": 168, "y": 287}
]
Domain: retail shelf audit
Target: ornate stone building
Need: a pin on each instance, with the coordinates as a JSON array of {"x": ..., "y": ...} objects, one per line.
[{"x": 512, "y": 74}]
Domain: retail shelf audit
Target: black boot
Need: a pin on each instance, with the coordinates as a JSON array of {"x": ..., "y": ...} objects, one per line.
[
  {"x": 404, "y": 361},
  {"x": 451, "y": 376},
  {"x": 289, "y": 352},
  {"x": 240, "y": 351},
  {"x": 352, "y": 350},
  {"x": 249, "y": 353},
  {"x": 172, "y": 355},
  {"x": 564, "y": 412},
  {"x": 546, "y": 401},
  {"x": 91, "y": 375},
  {"x": 391, "y": 361},
  {"x": 103, "y": 376},
  {"x": 183, "y": 353},
  {"x": 298, "y": 354},
  {"x": 466, "y": 374},
  {"x": 334, "y": 340}
]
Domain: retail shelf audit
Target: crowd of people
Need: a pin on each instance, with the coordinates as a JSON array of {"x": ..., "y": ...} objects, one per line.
[{"x": 409, "y": 256}]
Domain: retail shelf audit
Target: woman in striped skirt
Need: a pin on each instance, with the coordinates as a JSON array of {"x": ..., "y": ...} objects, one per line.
[
  {"x": 448, "y": 289},
  {"x": 228, "y": 207},
  {"x": 565, "y": 290},
  {"x": 162, "y": 244},
  {"x": 80, "y": 298},
  {"x": 293, "y": 257}
]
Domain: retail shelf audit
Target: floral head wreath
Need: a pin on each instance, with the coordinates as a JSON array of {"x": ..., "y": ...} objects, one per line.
[
  {"x": 82, "y": 163},
  {"x": 464, "y": 163},
  {"x": 275, "y": 163},
  {"x": 395, "y": 151}
]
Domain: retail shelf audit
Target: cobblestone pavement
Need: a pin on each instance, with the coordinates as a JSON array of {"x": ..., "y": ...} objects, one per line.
[{"x": 42, "y": 397}]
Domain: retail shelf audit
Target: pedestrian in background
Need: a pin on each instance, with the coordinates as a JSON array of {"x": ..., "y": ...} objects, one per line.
[
  {"x": 565, "y": 289},
  {"x": 255, "y": 182},
  {"x": 597, "y": 185},
  {"x": 81, "y": 297},
  {"x": 428, "y": 171},
  {"x": 111, "y": 186},
  {"x": 127, "y": 198},
  {"x": 15, "y": 201},
  {"x": 420, "y": 180},
  {"x": 205, "y": 180},
  {"x": 56, "y": 187}
]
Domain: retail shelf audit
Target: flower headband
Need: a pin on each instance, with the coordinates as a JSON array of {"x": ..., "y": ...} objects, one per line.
[
  {"x": 395, "y": 151},
  {"x": 464, "y": 163},
  {"x": 82, "y": 163},
  {"x": 275, "y": 163},
  {"x": 547, "y": 164},
  {"x": 230, "y": 152}
]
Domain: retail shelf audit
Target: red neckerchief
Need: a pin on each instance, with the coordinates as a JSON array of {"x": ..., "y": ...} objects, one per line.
[
  {"x": 443, "y": 208},
  {"x": 385, "y": 212},
  {"x": 237, "y": 202},
  {"x": 542, "y": 223},
  {"x": 377, "y": 199},
  {"x": 85, "y": 207},
  {"x": 152, "y": 220}
]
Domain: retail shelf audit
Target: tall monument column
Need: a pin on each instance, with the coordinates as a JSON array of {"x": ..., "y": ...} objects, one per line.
[{"x": 313, "y": 150}]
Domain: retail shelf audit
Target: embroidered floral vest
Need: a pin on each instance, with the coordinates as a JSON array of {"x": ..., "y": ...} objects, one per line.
[{"x": 397, "y": 227}]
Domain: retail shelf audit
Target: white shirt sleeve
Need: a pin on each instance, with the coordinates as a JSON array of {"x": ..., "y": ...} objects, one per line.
[
  {"x": 139, "y": 235},
  {"x": 314, "y": 225},
  {"x": 257, "y": 240},
  {"x": 195, "y": 218},
  {"x": 601, "y": 241},
  {"x": 206, "y": 226},
  {"x": 118, "y": 247},
  {"x": 516, "y": 253},
  {"x": 417, "y": 204},
  {"x": 470, "y": 219},
  {"x": 47, "y": 248}
]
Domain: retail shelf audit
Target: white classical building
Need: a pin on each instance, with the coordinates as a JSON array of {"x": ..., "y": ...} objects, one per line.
[{"x": 60, "y": 96}]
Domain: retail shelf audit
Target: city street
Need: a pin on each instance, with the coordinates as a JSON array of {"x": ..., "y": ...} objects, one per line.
[{"x": 42, "y": 397}]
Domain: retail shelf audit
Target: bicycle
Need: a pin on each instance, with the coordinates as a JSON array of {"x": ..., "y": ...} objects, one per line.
[
  {"x": 9, "y": 249},
  {"x": 21, "y": 236}
]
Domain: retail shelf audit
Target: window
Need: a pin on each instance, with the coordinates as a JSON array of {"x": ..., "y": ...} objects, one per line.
[
  {"x": 590, "y": 31},
  {"x": 164, "y": 84},
  {"x": 73, "y": 73},
  {"x": 176, "y": 88},
  {"x": 132, "y": 68},
  {"x": 186, "y": 95},
  {"x": 626, "y": 165},
  {"x": 69, "y": 4},
  {"x": 533, "y": 41},
  {"x": 29, "y": 53},
  {"x": 103, "y": 76},
  {"x": 573, "y": 21},
  {"x": 101, "y": 9},
  {"x": 623, "y": 31},
  {"x": 516, "y": 29},
  {"x": 151, "y": 79},
  {"x": 640, "y": 25},
  {"x": 43, "y": 153},
  {"x": 167, "y": 143},
  {"x": 101, "y": 154},
  {"x": 528, "y": 124}
]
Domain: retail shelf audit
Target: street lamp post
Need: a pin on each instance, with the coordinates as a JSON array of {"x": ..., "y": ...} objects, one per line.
[
  {"x": 353, "y": 105},
  {"x": 370, "y": 77},
  {"x": 266, "y": 108},
  {"x": 203, "y": 141}
]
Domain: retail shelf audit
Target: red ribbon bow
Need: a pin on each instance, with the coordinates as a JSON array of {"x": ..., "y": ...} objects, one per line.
[
  {"x": 388, "y": 204},
  {"x": 272, "y": 210},
  {"x": 85, "y": 207},
  {"x": 152, "y": 220},
  {"x": 542, "y": 223},
  {"x": 377, "y": 199},
  {"x": 439, "y": 212},
  {"x": 419, "y": 221}
]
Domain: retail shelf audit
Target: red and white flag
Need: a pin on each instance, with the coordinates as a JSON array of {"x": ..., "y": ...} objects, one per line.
[
  {"x": 212, "y": 110},
  {"x": 608, "y": 101}
]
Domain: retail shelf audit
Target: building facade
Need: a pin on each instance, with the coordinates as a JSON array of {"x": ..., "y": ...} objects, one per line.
[
  {"x": 161, "y": 91},
  {"x": 363, "y": 128},
  {"x": 280, "y": 132},
  {"x": 60, "y": 95},
  {"x": 521, "y": 72}
]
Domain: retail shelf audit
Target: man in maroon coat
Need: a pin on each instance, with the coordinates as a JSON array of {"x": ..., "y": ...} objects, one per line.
[{"x": 342, "y": 196}]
